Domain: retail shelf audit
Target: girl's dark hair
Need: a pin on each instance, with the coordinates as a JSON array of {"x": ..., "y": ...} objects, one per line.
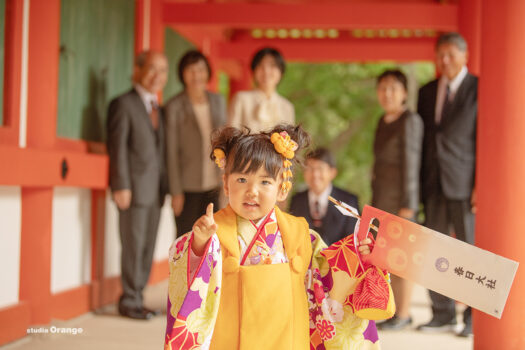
[
  {"x": 269, "y": 51},
  {"x": 189, "y": 58},
  {"x": 246, "y": 152},
  {"x": 396, "y": 74}
]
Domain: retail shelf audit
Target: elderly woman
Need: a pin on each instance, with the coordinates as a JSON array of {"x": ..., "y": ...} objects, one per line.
[
  {"x": 395, "y": 180},
  {"x": 191, "y": 117},
  {"x": 262, "y": 108}
]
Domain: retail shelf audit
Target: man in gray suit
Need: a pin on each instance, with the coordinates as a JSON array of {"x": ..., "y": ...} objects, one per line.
[
  {"x": 449, "y": 107},
  {"x": 138, "y": 175}
]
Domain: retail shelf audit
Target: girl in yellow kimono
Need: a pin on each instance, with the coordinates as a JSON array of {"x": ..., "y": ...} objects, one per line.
[{"x": 253, "y": 277}]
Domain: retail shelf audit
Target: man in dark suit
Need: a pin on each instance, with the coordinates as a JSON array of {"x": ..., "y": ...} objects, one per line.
[
  {"x": 449, "y": 107},
  {"x": 313, "y": 204},
  {"x": 138, "y": 176}
]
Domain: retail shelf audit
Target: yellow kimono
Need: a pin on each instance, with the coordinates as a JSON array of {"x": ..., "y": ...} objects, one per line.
[{"x": 260, "y": 286}]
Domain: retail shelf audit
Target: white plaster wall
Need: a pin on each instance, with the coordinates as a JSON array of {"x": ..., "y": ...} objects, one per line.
[
  {"x": 71, "y": 238},
  {"x": 165, "y": 237},
  {"x": 10, "y": 225}
]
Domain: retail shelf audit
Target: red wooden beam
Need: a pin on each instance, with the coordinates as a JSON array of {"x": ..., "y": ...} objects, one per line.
[
  {"x": 441, "y": 17},
  {"x": 35, "y": 168},
  {"x": 14, "y": 322},
  {"x": 312, "y": 50},
  {"x": 197, "y": 35},
  {"x": 231, "y": 67}
]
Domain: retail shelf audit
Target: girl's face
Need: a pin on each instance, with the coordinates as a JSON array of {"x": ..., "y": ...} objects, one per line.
[
  {"x": 252, "y": 196},
  {"x": 391, "y": 95},
  {"x": 267, "y": 74}
]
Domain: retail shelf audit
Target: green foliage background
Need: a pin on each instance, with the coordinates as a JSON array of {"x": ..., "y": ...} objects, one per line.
[{"x": 336, "y": 103}]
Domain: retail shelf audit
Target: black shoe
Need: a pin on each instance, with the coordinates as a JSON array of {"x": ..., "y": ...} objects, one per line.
[
  {"x": 395, "y": 324},
  {"x": 466, "y": 332},
  {"x": 438, "y": 326},
  {"x": 136, "y": 313}
]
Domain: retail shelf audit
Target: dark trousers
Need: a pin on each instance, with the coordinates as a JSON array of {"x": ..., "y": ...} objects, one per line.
[
  {"x": 442, "y": 214},
  {"x": 138, "y": 233},
  {"x": 195, "y": 204}
]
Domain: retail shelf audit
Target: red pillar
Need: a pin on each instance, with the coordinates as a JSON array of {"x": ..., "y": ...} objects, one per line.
[
  {"x": 42, "y": 92},
  {"x": 469, "y": 24},
  {"x": 149, "y": 26},
  {"x": 12, "y": 72},
  {"x": 501, "y": 169},
  {"x": 98, "y": 219},
  {"x": 157, "y": 26},
  {"x": 243, "y": 81},
  {"x": 35, "y": 254},
  {"x": 209, "y": 49},
  {"x": 140, "y": 43}
]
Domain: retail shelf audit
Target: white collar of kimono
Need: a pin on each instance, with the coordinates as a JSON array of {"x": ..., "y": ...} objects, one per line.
[
  {"x": 248, "y": 228},
  {"x": 258, "y": 223}
]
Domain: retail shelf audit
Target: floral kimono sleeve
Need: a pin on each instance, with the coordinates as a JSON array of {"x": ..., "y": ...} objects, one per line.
[
  {"x": 333, "y": 324},
  {"x": 193, "y": 303}
]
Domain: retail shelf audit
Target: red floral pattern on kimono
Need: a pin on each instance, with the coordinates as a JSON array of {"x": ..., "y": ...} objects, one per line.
[{"x": 193, "y": 302}]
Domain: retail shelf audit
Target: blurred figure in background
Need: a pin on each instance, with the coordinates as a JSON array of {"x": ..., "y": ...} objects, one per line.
[
  {"x": 313, "y": 204},
  {"x": 137, "y": 176},
  {"x": 449, "y": 108},
  {"x": 191, "y": 117},
  {"x": 395, "y": 179},
  {"x": 262, "y": 108}
]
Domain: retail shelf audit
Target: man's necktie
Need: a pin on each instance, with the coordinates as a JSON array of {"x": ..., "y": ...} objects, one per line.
[
  {"x": 154, "y": 115},
  {"x": 446, "y": 105},
  {"x": 317, "y": 214}
]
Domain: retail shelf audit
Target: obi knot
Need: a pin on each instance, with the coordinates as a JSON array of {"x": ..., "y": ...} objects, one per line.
[{"x": 297, "y": 264}]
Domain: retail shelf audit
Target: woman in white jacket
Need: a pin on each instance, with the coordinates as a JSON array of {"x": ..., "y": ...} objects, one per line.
[{"x": 262, "y": 108}]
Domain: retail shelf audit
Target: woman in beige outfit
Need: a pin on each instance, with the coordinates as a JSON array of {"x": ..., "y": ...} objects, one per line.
[{"x": 262, "y": 108}]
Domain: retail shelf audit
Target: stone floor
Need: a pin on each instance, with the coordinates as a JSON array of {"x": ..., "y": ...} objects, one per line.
[{"x": 105, "y": 330}]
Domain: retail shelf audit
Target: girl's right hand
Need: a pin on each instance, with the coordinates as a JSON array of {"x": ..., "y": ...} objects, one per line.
[
  {"x": 364, "y": 246},
  {"x": 203, "y": 229}
]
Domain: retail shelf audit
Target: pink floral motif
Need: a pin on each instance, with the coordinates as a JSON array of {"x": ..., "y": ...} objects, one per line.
[
  {"x": 326, "y": 329},
  {"x": 319, "y": 293},
  {"x": 180, "y": 245}
]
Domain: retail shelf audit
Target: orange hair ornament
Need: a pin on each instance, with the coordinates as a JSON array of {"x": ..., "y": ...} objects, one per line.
[
  {"x": 220, "y": 158},
  {"x": 286, "y": 147}
]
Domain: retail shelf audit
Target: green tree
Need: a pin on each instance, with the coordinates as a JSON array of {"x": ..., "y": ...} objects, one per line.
[{"x": 337, "y": 105}]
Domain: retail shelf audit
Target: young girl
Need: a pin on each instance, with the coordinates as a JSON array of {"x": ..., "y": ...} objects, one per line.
[{"x": 253, "y": 277}]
